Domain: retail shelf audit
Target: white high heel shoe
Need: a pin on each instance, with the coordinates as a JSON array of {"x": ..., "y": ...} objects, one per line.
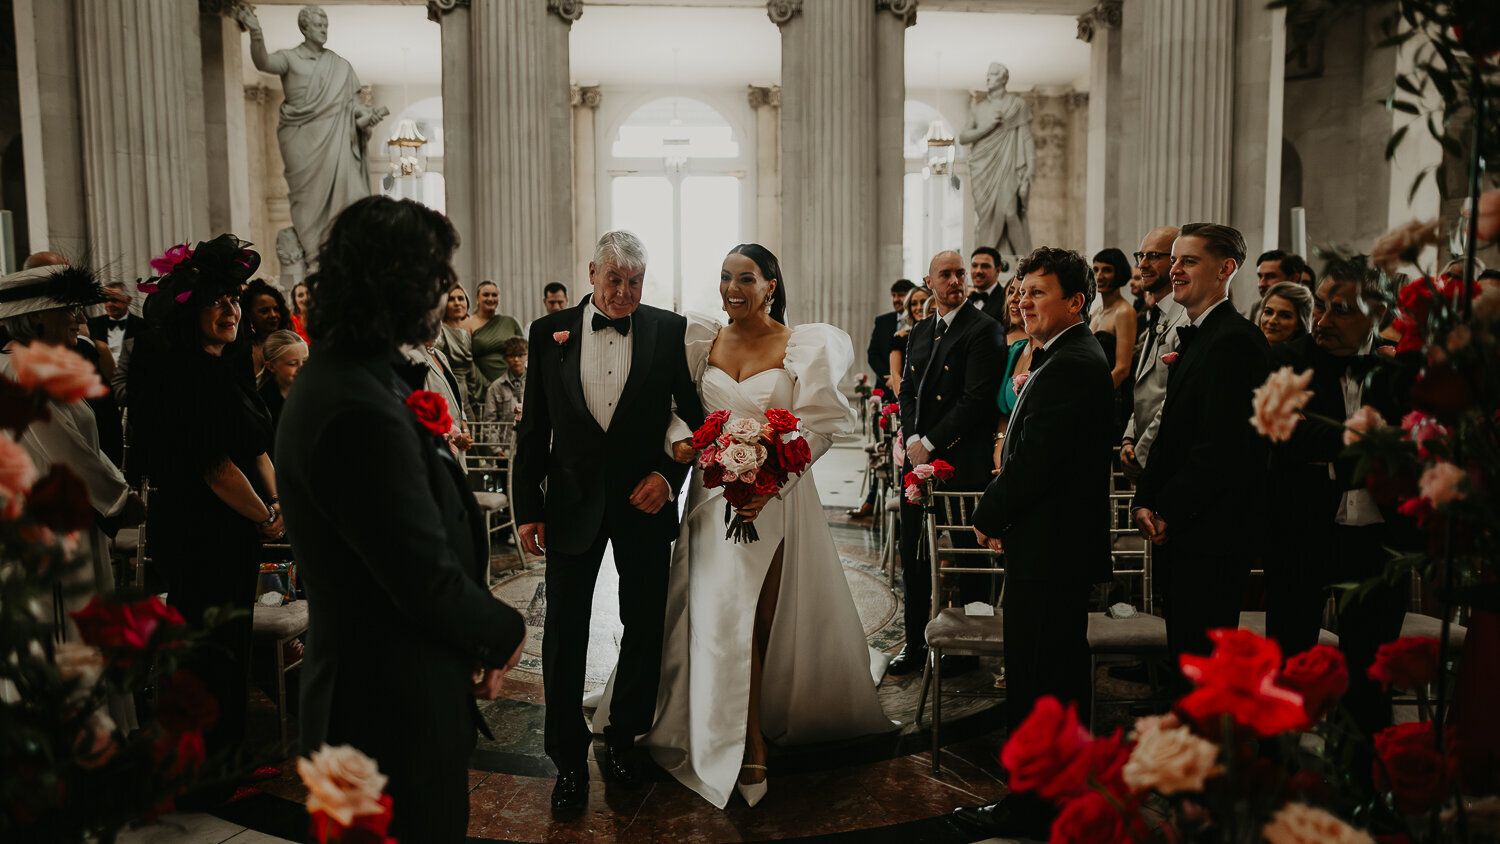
[{"x": 752, "y": 792}]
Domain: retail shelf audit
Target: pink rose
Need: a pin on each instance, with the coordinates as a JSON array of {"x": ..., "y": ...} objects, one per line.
[
  {"x": 17, "y": 472},
  {"x": 341, "y": 783},
  {"x": 914, "y": 494},
  {"x": 725, "y": 441},
  {"x": 62, "y": 373},
  {"x": 1364, "y": 420},
  {"x": 743, "y": 429},
  {"x": 1170, "y": 760},
  {"x": 1422, "y": 430},
  {"x": 1441, "y": 483},
  {"x": 708, "y": 457},
  {"x": 560, "y": 337},
  {"x": 1278, "y": 403},
  {"x": 1170, "y": 358},
  {"x": 1020, "y": 381},
  {"x": 742, "y": 459},
  {"x": 1296, "y": 823},
  {"x": 924, "y": 471}
]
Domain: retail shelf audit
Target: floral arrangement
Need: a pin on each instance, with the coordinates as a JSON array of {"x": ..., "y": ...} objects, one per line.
[
  {"x": 1203, "y": 771},
  {"x": 889, "y": 418},
  {"x": 346, "y": 799},
  {"x": 862, "y": 385},
  {"x": 68, "y": 771},
  {"x": 917, "y": 479},
  {"x": 748, "y": 458}
]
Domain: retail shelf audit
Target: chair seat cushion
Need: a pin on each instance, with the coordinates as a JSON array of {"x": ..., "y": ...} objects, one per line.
[
  {"x": 1138, "y": 634},
  {"x": 953, "y": 630},
  {"x": 281, "y": 622},
  {"x": 491, "y": 502},
  {"x": 125, "y": 541},
  {"x": 1256, "y": 622},
  {"x": 1417, "y": 624}
]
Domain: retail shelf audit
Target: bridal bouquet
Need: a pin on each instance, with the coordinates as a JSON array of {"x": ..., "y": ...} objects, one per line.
[{"x": 748, "y": 457}]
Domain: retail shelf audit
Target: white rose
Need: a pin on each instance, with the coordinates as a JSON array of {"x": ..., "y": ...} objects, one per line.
[
  {"x": 1170, "y": 759},
  {"x": 1297, "y": 823},
  {"x": 342, "y": 782},
  {"x": 742, "y": 458},
  {"x": 77, "y": 661},
  {"x": 744, "y": 429}
]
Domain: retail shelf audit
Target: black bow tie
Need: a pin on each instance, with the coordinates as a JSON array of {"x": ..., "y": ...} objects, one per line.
[
  {"x": 118, "y": 323},
  {"x": 980, "y": 296},
  {"x": 1185, "y": 335},
  {"x": 1037, "y": 358},
  {"x": 621, "y": 325}
]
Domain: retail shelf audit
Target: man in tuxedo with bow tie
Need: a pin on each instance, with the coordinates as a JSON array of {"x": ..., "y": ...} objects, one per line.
[
  {"x": 954, "y": 364},
  {"x": 985, "y": 291},
  {"x": 1200, "y": 497},
  {"x": 1331, "y": 528},
  {"x": 600, "y": 392},
  {"x": 1162, "y": 319},
  {"x": 118, "y": 324},
  {"x": 1055, "y": 461}
]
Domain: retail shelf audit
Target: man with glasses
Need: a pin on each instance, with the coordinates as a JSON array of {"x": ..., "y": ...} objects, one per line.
[{"x": 1162, "y": 318}]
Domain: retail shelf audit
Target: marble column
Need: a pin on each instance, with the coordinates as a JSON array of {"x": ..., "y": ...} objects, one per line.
[
  {"x": 48, "y": 76},
  {"x": 452, "y": 17},
  {"x": 1100, "y": 29},
  {"x": 1189, "y": 64},
  {"x": 586, "y": 100},
  {"x": 891, "y": 21},
  {"x": 766, "y": 103},
  {"x": 1259, "y": 94},
  {"x": 225, "y": 129},
  {"x": 143, "y": 174},
  {"x": 831, "y": 57}
]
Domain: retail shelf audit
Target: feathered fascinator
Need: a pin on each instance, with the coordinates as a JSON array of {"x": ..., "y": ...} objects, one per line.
[
  {"x": 49, "y": 288},
  {"x": 192, "y": 278}
]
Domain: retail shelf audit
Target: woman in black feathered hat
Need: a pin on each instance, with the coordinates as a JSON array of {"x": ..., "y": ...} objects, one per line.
[{"x": 206, "y": 437}]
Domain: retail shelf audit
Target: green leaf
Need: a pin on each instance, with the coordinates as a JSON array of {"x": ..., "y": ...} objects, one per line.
[
  {"x": 1416, "y": 184},
  {"x": 1403, "y": 106},
  {"x": 1404, "y": 83},
  {"x": 1451, "y": 146},
  {"x": 1395, "y": 141}
]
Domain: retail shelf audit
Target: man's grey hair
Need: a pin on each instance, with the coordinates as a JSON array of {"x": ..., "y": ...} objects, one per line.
[
  {"x": 622, "y": 249},
  {"x": 21, "y": 329},
  {"x": 306, "y": 14},
  {"x": 115, "y": 285}
]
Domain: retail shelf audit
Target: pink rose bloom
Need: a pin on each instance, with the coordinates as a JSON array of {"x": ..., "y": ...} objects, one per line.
[
  {"x": 1170, "y": 760},
  {"x": 914, "y": 494},
  {"x": 743, "y": 428},
  {"x": 1440, "y": 483},
  {"x": 1278, "y": 403},
  {"x": 1297, "y": 823},
  {"x": 924, "y": 471},
  {"x": 767, "y": 432},
  {"x": 725, "y": 441},
  {"x": 708, "y": 457},
  {"x": 1364, "y": 420},
  {"x": 561, "y": 336},
  {"x": 1170, "y": 358},
  {"x": 17, "y": 472},
  {"x": 63, "y": 373},
  {"x": 742, "y": 459},
  {"x": 1020, "y": 381},
  {"x": 342, "y": 783}
]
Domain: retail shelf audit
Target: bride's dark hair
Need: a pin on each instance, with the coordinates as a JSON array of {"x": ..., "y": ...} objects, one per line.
[{"x": 770, "y": 268}]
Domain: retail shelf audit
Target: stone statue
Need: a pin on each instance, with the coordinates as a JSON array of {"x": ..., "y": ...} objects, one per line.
[
  {"x": 293, "y": 261},
  {"x": 1002, "y": 160},
  {"x": 323, "y": 127}
]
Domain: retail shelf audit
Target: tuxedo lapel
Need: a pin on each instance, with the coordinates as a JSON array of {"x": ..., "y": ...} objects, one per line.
[
  {"x": 1188, "y": 360},
  {"x": 642, "y": 352}
]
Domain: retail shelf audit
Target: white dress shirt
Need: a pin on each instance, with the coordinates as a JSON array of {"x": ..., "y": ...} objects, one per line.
[
  {"x": 1357, "y": 507},
  {"x": 116, "y": 337},
  {"x": 604, "y": 364}
]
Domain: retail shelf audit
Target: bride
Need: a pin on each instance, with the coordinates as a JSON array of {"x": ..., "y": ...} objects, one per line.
[{"x": 763, "y": 642}]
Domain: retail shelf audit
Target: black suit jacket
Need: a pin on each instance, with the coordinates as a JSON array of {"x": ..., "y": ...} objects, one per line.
[
  {"x": 949, "y": 392},
  {"x": 1055, "y": 469},
  {"x": 1206, "y": 477},
  {"x": 99, "y": 327},
  {"x": 590, "y": 472},
  {"x": 390, "y": 545},
  {"x": 878, "y": 355}
]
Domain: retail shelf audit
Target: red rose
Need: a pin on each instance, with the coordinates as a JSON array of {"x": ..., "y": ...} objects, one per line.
[
  {"x": 186, "y": 705},
  {"x": 713, "y": 476},
  {"x": 766, "y": 482},
  {"x": 911, "y": 479},
  {"x": 1100, "y": 763},
  {"x": 1045, "y": 748},
  {"x": 1408, "y": 663},
  {"x": 185, "y": 749},
  {"x": 363, "y": 829},
  {"x": 1442, "y": 391},
  {"x": 61, "y": 501},
  {"x": 1091, "y": 817},
  {"x": 1239, "y": 680},
  {"x": 123, "y": 627},
  {"x": 942, "y": 469},
  {"x": 781, "y": 421},
  {"x": 891, "y": 409},
  {"x": 709, "y": 430},
  {"x": 793, "y": 456},
  {"x": 877, "y": 392},
  {"x": 20, "y": 407},
  {"x": 737, "y": 494},
  {"x": 432, "y": 411},
  {"x": 1320, "y": 675},
  {"x": 1408, "y": 767}
]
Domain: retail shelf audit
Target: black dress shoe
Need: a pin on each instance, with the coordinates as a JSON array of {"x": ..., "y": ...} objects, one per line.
[
  {"x": 908, "y": 661},
  {"x": 954, "y": 665},
  {"x": 571, "y": 794},
  {"x": 619, "y": 764},
  {"x": 1002, "y": 821}
]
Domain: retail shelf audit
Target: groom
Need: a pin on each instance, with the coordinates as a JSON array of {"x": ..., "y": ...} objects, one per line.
[{"x": 604, "y": 379}]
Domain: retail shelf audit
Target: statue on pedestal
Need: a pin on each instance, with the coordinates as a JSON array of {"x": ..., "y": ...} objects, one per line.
[
  {"x": 1002, "y": 160},
  {"x": 293, "y": 259},
  {"x": 323, "y": 127}
]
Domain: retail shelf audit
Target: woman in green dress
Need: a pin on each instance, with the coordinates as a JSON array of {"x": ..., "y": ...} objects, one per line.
[{"x": 489, "y": 330}]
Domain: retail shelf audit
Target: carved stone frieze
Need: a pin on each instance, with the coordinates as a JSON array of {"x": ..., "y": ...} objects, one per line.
[
  {"x": 904, "y": 9},
  {"x": 586, "y": 96},
  {"x": 1106, "y": 14},
  {"x": 782, "y": 11},
  {"x": 257, "y": 94},
  {"x": 437, "y": 8},
  {"x": 568, "y": 10},
  {"x": 765, "y": 97}
]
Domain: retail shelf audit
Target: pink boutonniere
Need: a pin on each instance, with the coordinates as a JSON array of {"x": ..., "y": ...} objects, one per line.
[
  {"x": 1169, "y": 358},
  {"x": 561, "y": 337},
  {"x": 1020, "y": 381}
]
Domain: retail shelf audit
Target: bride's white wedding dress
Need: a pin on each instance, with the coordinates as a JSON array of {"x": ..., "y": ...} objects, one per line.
[{"x": 820, "y": 673}]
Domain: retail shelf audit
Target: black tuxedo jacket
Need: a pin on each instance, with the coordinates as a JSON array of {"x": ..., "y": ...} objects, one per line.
[
  {"x": 878, "y": 355},
  {"x": 1206, "y": 477},
  {"x": 391, "y": 548},
  {"x": 949, "y": 392},
  {"x": 1055, "y": 467},
  {"x": 590, "y": 472},
  {"x": 99, "y": 327}
]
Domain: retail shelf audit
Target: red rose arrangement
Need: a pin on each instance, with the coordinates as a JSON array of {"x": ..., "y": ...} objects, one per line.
[
  {"x": 916, "y": 479},
  {"x": 431, "y": 410},
  {"x": 748, "y": 458},
  {"x": 123, "y": 631},
  {"x": 1407, "y": 663},
  {"x": 889, "y": 416}
]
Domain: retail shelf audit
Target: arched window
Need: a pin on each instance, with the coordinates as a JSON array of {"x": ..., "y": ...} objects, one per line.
[
  {"x": 675, "y": 175},
  {"x": 933, "y": 206}
]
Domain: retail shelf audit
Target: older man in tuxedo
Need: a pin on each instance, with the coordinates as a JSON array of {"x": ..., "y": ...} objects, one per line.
[
  {"x": 1041, "y": 510},
  {"x": 1162, "y": 319},
  {"x": 955, "y": 361},
  {"x": 1200, "y": 497}
]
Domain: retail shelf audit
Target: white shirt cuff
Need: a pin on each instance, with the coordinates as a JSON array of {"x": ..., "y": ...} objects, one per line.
[{"x": 671, "y": 493}]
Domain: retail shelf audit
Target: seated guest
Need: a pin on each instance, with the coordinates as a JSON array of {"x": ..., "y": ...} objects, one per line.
[
  {"x": 265, "y": 312},
  {"x": 1333, "y": 529},
  {"x": 1114, "y": 326},
  {"x": 1037, "y": 512},
  {"x": 1199, "y": 499},
  {"x": 505, "y": 393},
  {"x": 917, "y": 307},
  {"x": 489, "y": 330},
  {"x": 882, "y": 337},
  {"x": 285, "y": 352},
  {"x": 206, "y": 436},
  {"x": 1285, "y": 312},
  {"x": 1010, "y": 316},
  {"x": 299, "y": 309}
]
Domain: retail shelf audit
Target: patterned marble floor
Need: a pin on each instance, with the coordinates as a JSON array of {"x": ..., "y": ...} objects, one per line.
[{"x": 870, "y": 790}]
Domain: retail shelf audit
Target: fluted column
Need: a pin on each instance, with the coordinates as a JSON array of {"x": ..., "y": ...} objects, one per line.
[
  {"x": 143, "y": 175},
  {"x": 891, "y": 21},
  {"x": 1188, "y": 74},
  {"x": 586, "y": 100},
  {"x": 830, "y": 142},
  {"x": 452, "y": 17},
  {"x": 766, "y": 102},
  {"x": 522, "y": 123},
  {"x": 1103, "y": 224}
]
